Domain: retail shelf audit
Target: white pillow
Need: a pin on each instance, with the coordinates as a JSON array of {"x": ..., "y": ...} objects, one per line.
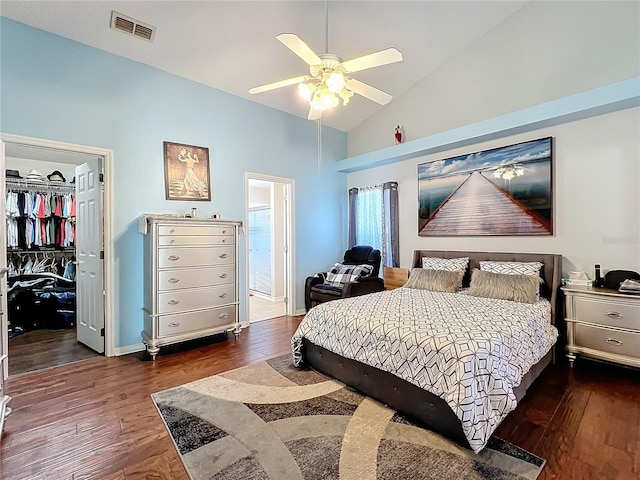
[
  {"x": 448, "y": 264},
  {"x": 512, "y": 268}
]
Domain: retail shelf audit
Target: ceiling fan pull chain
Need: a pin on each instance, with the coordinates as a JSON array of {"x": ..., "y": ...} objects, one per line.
[{"x": 319, "y": 142}]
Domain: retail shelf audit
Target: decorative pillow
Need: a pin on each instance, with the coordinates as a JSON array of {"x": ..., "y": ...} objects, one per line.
[
  {"x": 517, "y": 288},
  {"x": 448, "y": 264},
  {"x": 341, "y": 274},
  {"x": 514, "y": 268},
  {"x": 435, "y": 280}
]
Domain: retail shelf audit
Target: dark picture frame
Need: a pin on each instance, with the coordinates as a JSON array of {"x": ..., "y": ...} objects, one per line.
[
  {"x": 505, "y": 191},
  {"x": 186, "y": 172}
]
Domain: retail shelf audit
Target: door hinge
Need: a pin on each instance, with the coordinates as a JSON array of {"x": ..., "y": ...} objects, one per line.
[
  {"x": 101, "y": 177},
  {"x": 101, "y": 254},
  {"x": 286, "y": 300},
  {"x": 102, "y": 332}
]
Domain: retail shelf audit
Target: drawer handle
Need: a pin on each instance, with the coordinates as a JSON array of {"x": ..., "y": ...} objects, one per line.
[
  {"x": 613, "y": 315},
  {"x": 224, "y": 240},
  {"x": 223, "y": 315},
  {"x": 613, "y": 341},
  {"x": 174, "y": 324},
  {"x": 223, "y": 255},
  {"x": 173, "y": 258},
  {"x": 223, "y": 275},
  {"x": 222, "y": 295},
  {"x": 174, "y": 280},
  {"x": 173, "y": 240},
  {"x": 223, "y": 232},
  {"x": 174, "y": 302},
  {"x": 172, "y": 230}
]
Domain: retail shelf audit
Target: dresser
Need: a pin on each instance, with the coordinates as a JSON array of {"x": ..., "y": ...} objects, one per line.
[
  {"x": 4, "y": 399},
  {"x": 190, "y": 279},
  {"x": 603, "y": 324}
]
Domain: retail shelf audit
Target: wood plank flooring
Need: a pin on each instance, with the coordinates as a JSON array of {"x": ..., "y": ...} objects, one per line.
[
  {"x": 94, "y": 419},
  {"x": 45, "y": 348}
]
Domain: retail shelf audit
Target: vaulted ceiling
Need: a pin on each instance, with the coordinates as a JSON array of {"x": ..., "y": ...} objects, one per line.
[{"x": 231, "y": 45}]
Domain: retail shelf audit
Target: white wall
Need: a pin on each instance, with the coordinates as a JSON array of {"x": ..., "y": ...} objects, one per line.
[
  {"x": 596, "y": 196},
  {"x": 545, "y": 51}
]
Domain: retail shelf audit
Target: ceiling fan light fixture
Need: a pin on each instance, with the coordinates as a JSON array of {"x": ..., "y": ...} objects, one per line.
[
  {"x": 323, "y": 98},
  {"x": 306, "y": 90},
  {"x": 336, "y": 82}
]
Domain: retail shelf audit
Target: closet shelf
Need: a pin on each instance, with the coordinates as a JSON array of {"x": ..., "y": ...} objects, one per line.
[
  {"x": 44, "y": 186},
  {"x": 43, "y": 250}
]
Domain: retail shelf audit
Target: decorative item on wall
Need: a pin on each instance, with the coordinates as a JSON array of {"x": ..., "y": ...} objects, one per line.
[
  {"x": 186, "y": 172},
  {"x": 503, "y": 191},
  {"x": 398, "y": 134}
]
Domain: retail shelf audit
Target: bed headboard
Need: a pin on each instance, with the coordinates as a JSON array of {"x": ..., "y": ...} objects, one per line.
[{"x": 552, "y": 271}]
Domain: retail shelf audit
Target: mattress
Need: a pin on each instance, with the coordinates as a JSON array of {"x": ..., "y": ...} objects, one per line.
[{"x": 470, "y": 351}]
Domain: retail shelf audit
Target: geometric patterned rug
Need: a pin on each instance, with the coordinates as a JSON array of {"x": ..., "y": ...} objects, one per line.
[{"x": 272, "y": 421}]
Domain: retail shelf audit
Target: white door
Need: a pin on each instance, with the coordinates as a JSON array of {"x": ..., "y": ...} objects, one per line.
[{"x": 89, "y": 275}]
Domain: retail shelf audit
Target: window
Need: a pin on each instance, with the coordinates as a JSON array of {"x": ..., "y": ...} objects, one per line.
[{"x": 373, "y": 220}]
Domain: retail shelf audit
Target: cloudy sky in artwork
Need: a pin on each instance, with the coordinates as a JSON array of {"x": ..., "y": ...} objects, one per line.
[{"x": 487, "y": 159}]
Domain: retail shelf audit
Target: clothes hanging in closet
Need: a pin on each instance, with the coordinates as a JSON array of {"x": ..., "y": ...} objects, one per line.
[{"x": 40, "y": 219}]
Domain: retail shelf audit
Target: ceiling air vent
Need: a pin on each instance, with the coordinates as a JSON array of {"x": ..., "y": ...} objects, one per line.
[{"x": 132, "y": 26}]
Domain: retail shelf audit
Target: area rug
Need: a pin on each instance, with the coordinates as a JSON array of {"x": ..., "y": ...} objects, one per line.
[{"x": 271, "y": 421}]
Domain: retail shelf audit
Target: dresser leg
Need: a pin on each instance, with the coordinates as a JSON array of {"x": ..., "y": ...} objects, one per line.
[
  {"x": 153, "y": 351},
  {"x": 572, "y": 358}
]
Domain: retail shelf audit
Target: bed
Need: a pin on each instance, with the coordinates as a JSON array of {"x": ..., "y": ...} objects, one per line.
[{"x": 462, "y": 389}]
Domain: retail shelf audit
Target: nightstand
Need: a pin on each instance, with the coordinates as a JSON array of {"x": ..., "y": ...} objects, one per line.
[
  {"x": 602, "y": 323},
  {"x": 395, "y": 277}
]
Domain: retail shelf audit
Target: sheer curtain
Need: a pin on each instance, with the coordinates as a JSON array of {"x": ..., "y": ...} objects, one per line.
[{"x": 373, "y": 220}]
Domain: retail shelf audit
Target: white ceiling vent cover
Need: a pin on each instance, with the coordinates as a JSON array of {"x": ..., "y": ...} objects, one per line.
[{"x": 134, "y": 27}]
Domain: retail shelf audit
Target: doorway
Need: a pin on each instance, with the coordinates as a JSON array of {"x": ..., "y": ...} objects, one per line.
[
  {"x": 269, "y": 234},
  {"x": 77, "y": 299}
]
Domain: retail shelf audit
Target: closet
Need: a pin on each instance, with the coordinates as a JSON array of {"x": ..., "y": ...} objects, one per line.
[{"x": 40, "y": 214}]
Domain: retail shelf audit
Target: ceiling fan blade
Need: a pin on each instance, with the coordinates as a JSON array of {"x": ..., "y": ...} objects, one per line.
[
  {"x": 297, "y": 46},
  {"x": 314, "y": 114},
  {"x": 368, "y": 91},
  {"x": 281, "y": 83},
  {"x": 383, "y": 57}
]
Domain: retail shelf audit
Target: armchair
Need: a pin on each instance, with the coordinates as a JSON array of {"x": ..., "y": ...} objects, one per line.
[{"x": 318, "y": 289}]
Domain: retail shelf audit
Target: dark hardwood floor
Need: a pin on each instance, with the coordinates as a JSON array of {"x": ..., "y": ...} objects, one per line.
[
  {"x": 94, "y": 419},
  {"x": 45, "y": 348}
]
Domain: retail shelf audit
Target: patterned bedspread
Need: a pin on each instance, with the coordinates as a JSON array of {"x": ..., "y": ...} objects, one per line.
[{"x": 469, "y": 351}]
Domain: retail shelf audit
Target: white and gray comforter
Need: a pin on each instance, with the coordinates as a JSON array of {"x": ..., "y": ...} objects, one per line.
[{"x": 469, "y": 351}]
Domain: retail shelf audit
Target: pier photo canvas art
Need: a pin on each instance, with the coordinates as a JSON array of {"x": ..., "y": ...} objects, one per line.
[{"x": 504, "y": 191}]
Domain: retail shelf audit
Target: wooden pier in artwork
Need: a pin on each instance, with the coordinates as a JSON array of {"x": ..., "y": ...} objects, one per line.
[{"x": 480, "y": 207}]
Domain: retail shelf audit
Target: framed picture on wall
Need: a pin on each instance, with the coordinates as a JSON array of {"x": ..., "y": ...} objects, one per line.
[
  {"x": 504, "y": 191},
  {"x": 186, "y": 172}
]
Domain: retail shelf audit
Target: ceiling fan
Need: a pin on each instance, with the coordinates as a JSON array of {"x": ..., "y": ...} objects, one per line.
[{"x": 329, "y": 79}]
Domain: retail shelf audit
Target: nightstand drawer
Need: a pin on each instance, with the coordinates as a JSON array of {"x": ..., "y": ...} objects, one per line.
[
  {"x": 608, "y": 340},
  {"x": 606, "y": 311}
]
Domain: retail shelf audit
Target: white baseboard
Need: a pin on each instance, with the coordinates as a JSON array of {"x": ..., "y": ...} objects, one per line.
[
  {"x": 136, "y": 347},
  {"x": 300, "y": 312}
]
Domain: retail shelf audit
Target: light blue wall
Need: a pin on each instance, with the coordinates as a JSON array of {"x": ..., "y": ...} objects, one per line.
[{"x": 58, "y": 89}]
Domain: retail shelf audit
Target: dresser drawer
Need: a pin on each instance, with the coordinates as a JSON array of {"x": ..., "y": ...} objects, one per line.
[
  {"x": 607, "y": 340},
  {"x": 614, "y": 312},
  {"x": 189, "y": 230},
  {"x": 181, "y": 300},
  {"x": 223, "y": 318},
  {"x": 195, "y": 277},
  {"x": 182, "y": 240},
  {"x": 170, "y": 257}
]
